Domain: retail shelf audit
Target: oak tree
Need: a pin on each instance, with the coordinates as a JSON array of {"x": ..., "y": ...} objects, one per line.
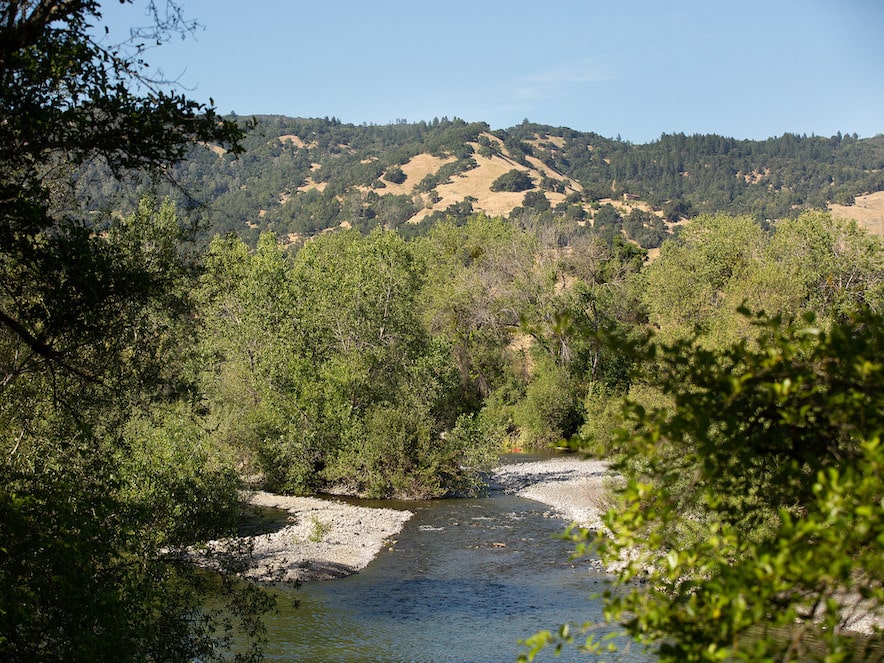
[{"x": 90, "y": 325}]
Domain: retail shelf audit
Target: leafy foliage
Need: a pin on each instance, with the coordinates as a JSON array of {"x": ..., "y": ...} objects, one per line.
[
  {"x": 385, "y": 367},
  {"x": 756, "y": 500},
  {"x": 750, "y": 521},
  {"x": 322, "y": 372},
  {"x": 812, "y": 264},
  {"x": 94, "y": 505},
  {"x": 513, "y": 180},
  {"x": 549, "y": 411}
]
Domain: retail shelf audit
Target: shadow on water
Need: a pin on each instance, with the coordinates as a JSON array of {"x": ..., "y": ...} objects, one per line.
[{"x": 464, "y": 581}]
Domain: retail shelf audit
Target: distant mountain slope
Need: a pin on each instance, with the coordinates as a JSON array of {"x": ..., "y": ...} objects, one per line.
[
  {"x": 867, "y": 210},
  {"x": 302, "y": 176}
]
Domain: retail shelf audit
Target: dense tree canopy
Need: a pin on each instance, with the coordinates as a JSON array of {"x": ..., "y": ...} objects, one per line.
[
  {"x": 717, "y": 263},
  {"x": 90, "y": 338},
  {"x": 66, "y": 100},
  {"x": 750, "y": 446},
  {"x": 134, "y": 376},
  {"x": 322, "y": 373}
]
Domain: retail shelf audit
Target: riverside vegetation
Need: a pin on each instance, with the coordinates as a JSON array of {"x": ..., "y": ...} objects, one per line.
[{"x": 144, "y": 374}]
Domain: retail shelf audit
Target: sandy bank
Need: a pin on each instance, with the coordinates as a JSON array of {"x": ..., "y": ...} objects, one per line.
[
  {"x": 323, "y": 539},
  {"x": 576, "y": 489}
]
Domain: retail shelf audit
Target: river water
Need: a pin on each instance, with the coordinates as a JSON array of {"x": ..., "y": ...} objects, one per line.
[{"x": 464, "y": 582}]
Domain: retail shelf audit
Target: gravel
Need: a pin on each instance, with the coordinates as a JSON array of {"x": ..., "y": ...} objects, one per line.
[
  {"x": 326, "y": 538},
  {"x": 576, "y": 489},
  {"x": 323, "y": 539}
]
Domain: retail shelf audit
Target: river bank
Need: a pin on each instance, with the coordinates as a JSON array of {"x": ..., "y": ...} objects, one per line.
[
  {"x": 321, "y": 539},
  {"x": 577, "y": 490},
  {"x": 324, "y": 539}
]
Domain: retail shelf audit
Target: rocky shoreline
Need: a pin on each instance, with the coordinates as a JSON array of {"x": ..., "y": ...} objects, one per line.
[
  {"x": 321, "y": 539},
  {"x": 577, "y": 490},
  {"x": 324, "y": 539}
]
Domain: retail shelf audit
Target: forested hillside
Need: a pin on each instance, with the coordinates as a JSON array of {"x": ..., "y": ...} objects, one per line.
[
  {"x": 298, "y": 177},
  {"x": 480, "y": 291}
]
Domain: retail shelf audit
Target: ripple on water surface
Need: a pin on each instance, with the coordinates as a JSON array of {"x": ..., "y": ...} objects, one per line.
[{"x": 464, "y": 581}]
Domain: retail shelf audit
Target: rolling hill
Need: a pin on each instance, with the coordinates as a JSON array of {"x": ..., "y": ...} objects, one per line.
[{"x": 299, "y": 177}]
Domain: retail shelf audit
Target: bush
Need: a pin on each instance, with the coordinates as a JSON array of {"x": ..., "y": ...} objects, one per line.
[
  {"x": 753, "y": 503},
  {"x": 403, "y": 455},
  {"x": 602, "y": 418},
  {"x": 513, "y": 180},
  {"x": 395, "y": 175},
  {"x": 550, "y": 410},
  {"x": 536, "y": 200},
  {"x": 173, "y": 473}
]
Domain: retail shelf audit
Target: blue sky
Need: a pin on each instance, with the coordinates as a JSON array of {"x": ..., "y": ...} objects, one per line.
[{"x": 745, "y": 69}]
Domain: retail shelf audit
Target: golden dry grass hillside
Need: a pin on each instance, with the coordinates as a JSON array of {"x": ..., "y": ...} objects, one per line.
[
  {"x": 476, "y": 183},
  {"x": 303, "y": 177},
  {"x": 415, "y": 170},
  {"x": 868, "y": 211}
]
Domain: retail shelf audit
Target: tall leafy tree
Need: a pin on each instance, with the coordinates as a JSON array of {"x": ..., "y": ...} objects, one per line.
[
  {"x": 90, "y": 312},
  {"x": 320, "y": 369},
  {"x": 482, "y": 278},
  {"x": 687, "y": 286},
  {"x": 68, "y": 99},
  {"x": 813, "y": 264},
  {"x": 837, "y": 267}
]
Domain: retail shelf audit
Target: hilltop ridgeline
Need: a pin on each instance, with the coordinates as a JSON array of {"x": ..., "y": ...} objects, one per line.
[{"x": 299, "y": 177}]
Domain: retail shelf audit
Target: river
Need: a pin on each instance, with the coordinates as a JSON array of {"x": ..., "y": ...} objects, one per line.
[{"x": 464, "y": 582}]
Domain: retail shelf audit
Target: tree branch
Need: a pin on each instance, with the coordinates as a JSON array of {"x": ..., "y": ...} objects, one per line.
[{"x": 40, "y": 348}]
